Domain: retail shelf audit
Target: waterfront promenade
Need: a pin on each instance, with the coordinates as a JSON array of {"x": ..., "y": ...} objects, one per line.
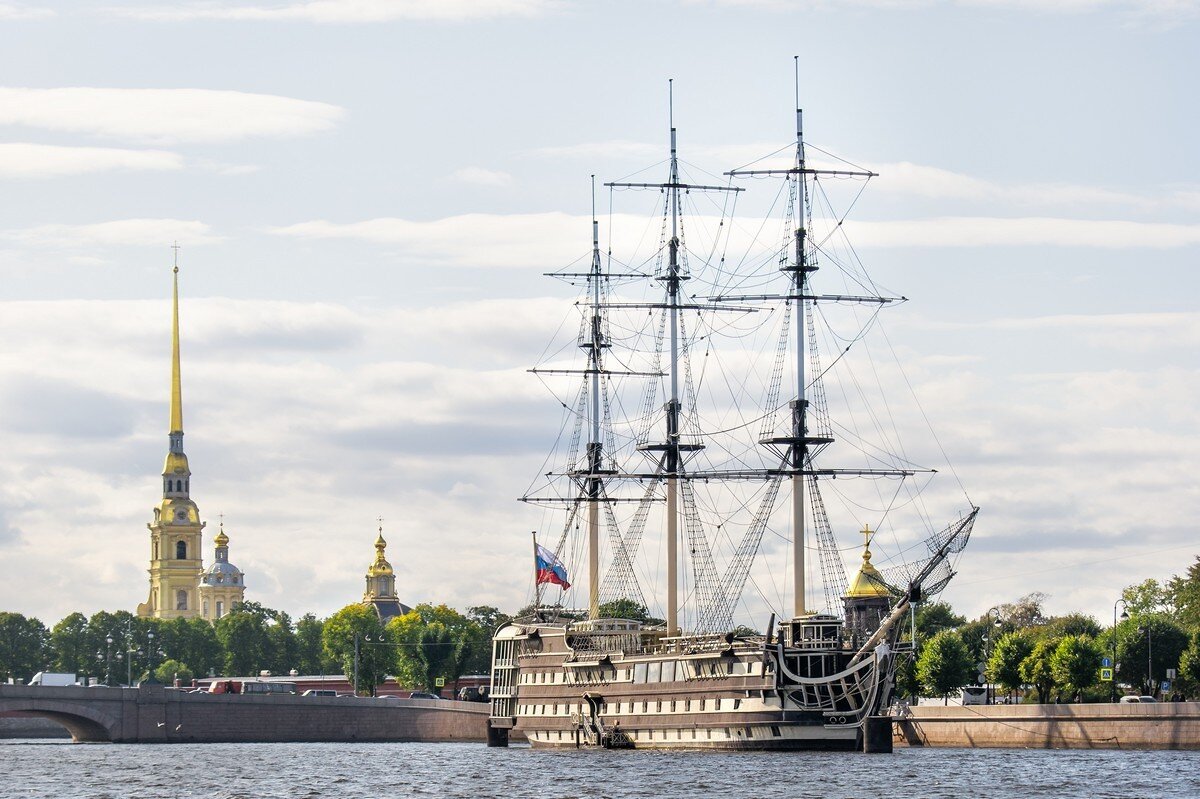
[
  {"x": 156, "y": 714},
  {"x": 1162, "y": 725}
]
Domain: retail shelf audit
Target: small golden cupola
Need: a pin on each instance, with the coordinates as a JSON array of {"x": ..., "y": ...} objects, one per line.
[
  {"x": 868, "y": 600},
  {"x": 380, "y": 568},
  {"x": 381, "y": 584},
  {"x": 868, "y": 582}
]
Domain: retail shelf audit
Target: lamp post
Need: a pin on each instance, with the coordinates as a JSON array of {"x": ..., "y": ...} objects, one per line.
[
  {"x": 988, "y": 693},
  {"x": 150, "y": 654},
  {"x": 354, "y": 687},
  {"x": 1149, "y": 659},
  {"x": 108, "y": 640},
  {"x": 1124, "y": 615}
]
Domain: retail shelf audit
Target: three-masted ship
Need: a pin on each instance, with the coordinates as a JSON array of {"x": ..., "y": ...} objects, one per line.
[{"x": 641, "y": 447}]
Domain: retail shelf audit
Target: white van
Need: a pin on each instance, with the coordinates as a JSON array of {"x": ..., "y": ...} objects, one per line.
[{"x": 54, "y": 678}]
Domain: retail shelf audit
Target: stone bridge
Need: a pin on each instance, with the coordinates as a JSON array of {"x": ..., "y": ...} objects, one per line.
[{"x": 157, "y": 714}]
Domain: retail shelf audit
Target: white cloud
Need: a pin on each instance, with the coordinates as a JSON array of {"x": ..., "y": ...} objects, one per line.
[
  {"x": 119, "y": 232},
  {"x": 541, "y": 240},
  {"x": 1172, "y": 9},
  {"x": 21, "y": 160},
  {"x": 478, "y": 176},
  {"x": 307, "y": 420},
  {"x": 1022, "y": 232},
  {"x": 20, "y": 11},
  {"x": 512, "y": 240},
  {"x": 165, "y": 115},
  {"x": 346, "y": 11}
]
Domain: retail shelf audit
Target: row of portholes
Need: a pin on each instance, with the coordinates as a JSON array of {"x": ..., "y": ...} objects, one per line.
[{"x": 836, "y": 719}]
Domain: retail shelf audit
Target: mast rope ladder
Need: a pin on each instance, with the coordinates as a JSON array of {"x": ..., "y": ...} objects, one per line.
[
  {"x": 707, "y": 586},
  {"x": 833, "y": 572},
  {"x": 721, "y": 617}
]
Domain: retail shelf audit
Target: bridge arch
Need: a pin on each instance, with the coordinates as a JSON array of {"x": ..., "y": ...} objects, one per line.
[{"x": 86, "y": 722}]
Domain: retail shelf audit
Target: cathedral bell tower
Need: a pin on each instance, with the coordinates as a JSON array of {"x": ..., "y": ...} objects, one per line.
[{"x": 175, "y": 553}]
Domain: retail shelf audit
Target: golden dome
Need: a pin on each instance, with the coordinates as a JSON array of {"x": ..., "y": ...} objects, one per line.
[
  {"x": 868, "y": 582},
  {"x": 221, "y": 540},
  {"x": 380, "y": 568},
  {"x": 176, "y": 463}
]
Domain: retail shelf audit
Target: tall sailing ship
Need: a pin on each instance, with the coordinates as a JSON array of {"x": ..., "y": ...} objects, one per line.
[{"x": 699, "y": 400}]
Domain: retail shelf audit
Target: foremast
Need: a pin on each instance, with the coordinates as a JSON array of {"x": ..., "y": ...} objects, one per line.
[{"x": 799, "y": 446}]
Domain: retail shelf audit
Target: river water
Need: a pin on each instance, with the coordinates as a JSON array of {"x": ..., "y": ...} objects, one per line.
[{"x": 375, "y": 771}]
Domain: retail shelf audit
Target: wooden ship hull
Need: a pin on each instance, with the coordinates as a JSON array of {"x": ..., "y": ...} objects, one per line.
[{"x": 608, "y": 683}]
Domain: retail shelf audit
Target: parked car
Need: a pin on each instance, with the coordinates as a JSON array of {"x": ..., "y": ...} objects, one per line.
[
  {"x": 320, "y": 692},
  {"x": 423, "y": 695},
  {"x": 1130, "y": 700}
]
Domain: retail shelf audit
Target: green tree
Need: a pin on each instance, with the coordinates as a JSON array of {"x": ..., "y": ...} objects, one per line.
[
  {"x": 1184, "y": 594},
  {"x": 1148, "y": 596},
  {"x": 338, "y": 639},
  {"x": 70, "y": 645},
  {"x": 193, "y": 641},
  {"x": 245, "y": 644},
  {"x": 310, "y": 654},
  {"x": 1004, "y": 666},
  {"x": 934, "y": 617},
  {"x": 477, "y": 650},
  {"x": 1075, "y": 664},
  {"x": 1189, "y": 666},
  {"x": 283, "y": 651},
  {"x": 170, "y": 670},
  {"x": 624, "y": 609},
  {"x": 1153, "y": 640},
  {"x": 24, "y": 647},
  {"x": 1025, "y": 612},
  {"x": 944, "y": 665},
  {"x": 434, "y": 641},
  {"x": 1036, "y": 669},
  {"x": 1071, "y": 624}
]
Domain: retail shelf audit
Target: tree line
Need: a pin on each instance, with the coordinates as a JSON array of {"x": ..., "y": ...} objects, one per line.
[
  {"x": 418, "y": 648},
  {"x": 1019, "y": 649},
  {"x": 1014, "y": 646}
]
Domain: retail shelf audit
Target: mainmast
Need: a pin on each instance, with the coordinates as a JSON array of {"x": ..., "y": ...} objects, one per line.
[
  {"x": 673, "y": 449},
  {"x": 595, "y": 448}
]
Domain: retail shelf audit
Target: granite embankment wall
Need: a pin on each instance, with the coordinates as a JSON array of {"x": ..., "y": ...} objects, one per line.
[
  {"x": 1166, "y": 725},
  {"x": 154, "y": 714}
]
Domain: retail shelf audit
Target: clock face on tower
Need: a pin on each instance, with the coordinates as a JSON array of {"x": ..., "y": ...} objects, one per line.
[{"x": 181, "y": 515}]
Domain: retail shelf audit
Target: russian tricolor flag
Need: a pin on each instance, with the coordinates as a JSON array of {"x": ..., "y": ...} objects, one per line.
[{"x": 550, "y": 569}]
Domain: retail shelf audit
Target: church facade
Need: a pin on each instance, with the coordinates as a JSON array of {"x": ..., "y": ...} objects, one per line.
[{"x": 179, "y": 585}]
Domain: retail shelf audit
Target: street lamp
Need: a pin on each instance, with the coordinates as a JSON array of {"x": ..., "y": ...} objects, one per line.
[
  {"x": 108, "y": 641},
  {"x": 1149, "y": 659},
  {"x": 988, "y": 693},
  {"x": 1124, "y": 615}
]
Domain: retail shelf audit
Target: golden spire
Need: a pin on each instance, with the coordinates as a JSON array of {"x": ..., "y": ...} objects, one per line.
[{"x": 176, "y": 383}]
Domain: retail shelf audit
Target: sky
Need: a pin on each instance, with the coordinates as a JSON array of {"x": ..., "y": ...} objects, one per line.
[{"x": 366, "y": 195}]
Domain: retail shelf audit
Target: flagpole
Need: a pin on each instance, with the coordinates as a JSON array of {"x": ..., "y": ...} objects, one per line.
[{"x": 537, "y": 586}]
